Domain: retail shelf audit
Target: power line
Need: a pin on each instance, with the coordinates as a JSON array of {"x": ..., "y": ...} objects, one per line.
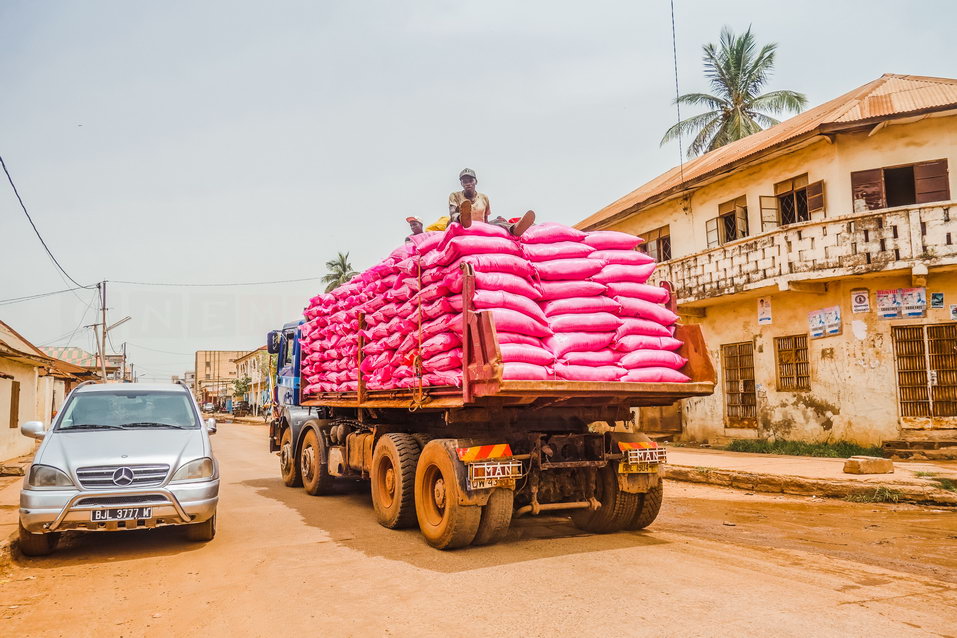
[
  {"x": 184, "y": 354},
  {"x": 674, "y": 55},
  {"x": 242, "y": 283},
  {"x": 39, "y": 236},
  {"x": 12, "y": 300}
]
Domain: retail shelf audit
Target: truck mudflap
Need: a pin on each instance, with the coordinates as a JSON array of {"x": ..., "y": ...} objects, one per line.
[
  {"x": 484, "y": 471},
  {"x": 641, "y": 461}
]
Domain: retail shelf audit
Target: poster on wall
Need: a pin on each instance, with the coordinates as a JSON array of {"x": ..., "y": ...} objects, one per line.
[
  {"x": 860, "y": 300},
  {"x": 764, "y": 311},
  {"x": 815, "y": 324},
  {"x": 889, "y": 303},
  {"x": 936, "y": 300},
  {"x": 953, "y": 311},
  {"x": 832, "y": 321},
  {"x": 914, "y": 302}
]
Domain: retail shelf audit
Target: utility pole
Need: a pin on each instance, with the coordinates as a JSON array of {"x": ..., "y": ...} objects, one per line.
[
  {"x": 123, "y": 372},
  {"x": 102, "y": 287}
]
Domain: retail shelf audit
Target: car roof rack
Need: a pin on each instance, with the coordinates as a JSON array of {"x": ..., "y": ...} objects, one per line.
[
  {"x": 185, "y": 386},
  {"x": 87, "y": 382}
]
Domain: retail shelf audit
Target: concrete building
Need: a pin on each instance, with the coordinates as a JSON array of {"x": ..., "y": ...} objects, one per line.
[
  {"x": 820, "y": 258},
  {"x": 255, "y": 365},
  {"x": 215, "y": 372}
]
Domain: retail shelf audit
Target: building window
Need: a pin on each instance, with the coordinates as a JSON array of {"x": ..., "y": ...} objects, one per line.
[
  {"x": 730, "y": 224},
  {"x": 737, "y": 361},
  {"x": 905, "y": 185},
  {"x": 793, "y": 370},
  {"x": 792, "y": 203},
  {"x": 926, "y": 360},
  {"x": 657, "y": 243}
]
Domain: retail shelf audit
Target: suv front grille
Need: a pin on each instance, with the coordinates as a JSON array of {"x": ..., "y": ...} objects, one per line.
[
  {"x": 101, "y": 477},
  {"x": 123, "y": 501}
]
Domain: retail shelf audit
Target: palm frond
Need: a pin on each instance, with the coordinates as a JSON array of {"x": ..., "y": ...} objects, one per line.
[
  {"x": 690, "y": 126},
  {"x": 780, "y": 102}
]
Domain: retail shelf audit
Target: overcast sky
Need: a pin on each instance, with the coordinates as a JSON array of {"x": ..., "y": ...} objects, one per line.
[{"x": 213, "y": 142}]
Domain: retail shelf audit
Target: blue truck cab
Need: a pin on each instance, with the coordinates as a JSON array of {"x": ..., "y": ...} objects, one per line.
[{"x": 288, "y": 413}]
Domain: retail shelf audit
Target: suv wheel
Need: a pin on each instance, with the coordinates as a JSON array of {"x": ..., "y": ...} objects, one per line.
[
  {"x": 37, "y": 544},
  {"x": 202, "y": 532}
]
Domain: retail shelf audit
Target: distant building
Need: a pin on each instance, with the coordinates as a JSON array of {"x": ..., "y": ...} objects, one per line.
[
  {"x": 255, "y": 366},
  {"x": 215, "y": 372},
  {"x": 819, "y": 258},
  {"x": 91, "y": 362}
]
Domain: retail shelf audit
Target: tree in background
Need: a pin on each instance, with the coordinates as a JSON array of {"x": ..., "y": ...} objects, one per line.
[
  {"x": 340, "y": 271},
  {"x": 737, "y": 71},
  {"x": 241, "y": 387}
]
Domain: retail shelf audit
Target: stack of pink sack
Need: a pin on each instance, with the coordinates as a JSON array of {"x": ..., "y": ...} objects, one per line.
[{"x": 566, "y": 305}]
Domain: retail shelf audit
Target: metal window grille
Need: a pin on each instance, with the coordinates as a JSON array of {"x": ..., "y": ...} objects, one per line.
[
  {"x": 793, "y": 368},
  {"x": 926, "y": 359},
  {"x": 737, "y": 360}
]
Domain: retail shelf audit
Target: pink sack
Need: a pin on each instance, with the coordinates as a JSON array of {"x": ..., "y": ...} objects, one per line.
[
  {"x": 440, "y": 343},
  {"x": 635, "y": 326},
  {"x": 513, "y": 321},
  {"x": 652, "y": 359},
  {"x": 471, "y": 245},
  {"x": 445, "y": 361},
  {"x": 566, "y": 289},
  {"x": 588, "y": 373},
  {"x": 631, "y": 343},
  {"x": 445, "y": 323},
  {"x": 655, "y": 375},
  {"x": 579, "y": 305},
  {"x": 511, "y": 337},
  {"x": 630, "y": 257},
  {"x": 477, "y": 229},
  {"x": 450, "y": 377},
  {"x": 493, "y": 281},
  {"x": 525, "y": 371},
  {"x": 429, "y": 240},
  {"x": 491, "y": 299},
  {"x": 521, "y": 353},
  {"x": 612, "y": 240},
  {"x": 586, "y": 322},
  {"x": 558, "y": 250},
  {"x": 631, "y": 307},
  {"x": 549, "y": 233},
  {"x": 494, "y": 263},
  {"x": 561, "y": 269},
  {"x": 654, "y": 294},
  {"x": 600, "y": 358},
  {"x": 563, "y": 343},
  {"x": 620, "y": 272}
]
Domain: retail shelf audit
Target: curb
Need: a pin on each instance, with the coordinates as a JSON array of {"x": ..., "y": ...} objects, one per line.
[{"x": 800, "y": 486}]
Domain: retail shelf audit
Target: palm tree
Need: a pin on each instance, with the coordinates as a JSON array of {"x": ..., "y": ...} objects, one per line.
[
  {"x": 340, "y": 271},
  {"x": 737, "y": 71}
]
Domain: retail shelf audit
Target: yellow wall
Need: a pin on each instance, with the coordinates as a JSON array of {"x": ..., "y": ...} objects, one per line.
[{"x": 929, "y": 139}]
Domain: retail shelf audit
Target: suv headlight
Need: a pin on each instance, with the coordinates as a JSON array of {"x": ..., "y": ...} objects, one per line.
[
  {"x": 198, "y": 470},
  {"x": 47, "y": 476}
]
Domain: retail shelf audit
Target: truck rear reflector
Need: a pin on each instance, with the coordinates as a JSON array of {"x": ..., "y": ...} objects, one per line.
[
  {"x": 636, "y": 445},
  {"x": 482, "y": 452}
]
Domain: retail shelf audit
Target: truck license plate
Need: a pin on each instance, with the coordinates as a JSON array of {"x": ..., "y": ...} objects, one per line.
[
  {"x": 494, "y": 474},
  {"x": 644, "y": 467},
  {"x": 122, "y": 514}
]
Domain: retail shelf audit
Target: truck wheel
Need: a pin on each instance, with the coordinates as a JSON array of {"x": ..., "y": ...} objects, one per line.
[
  {"x": 496, "y": 517},
  {"x": 444, "y": 523},
  {"x": 617, "y": 507},
  {"x": 649, "y": 505},
  {"x": 421, "y": 439},
  {"x": 202, "y": 532},
  {"x": 37, "y": 544},
  {"x": 315, "y": 474},
  {"x": 288, "y": 465},
  {"x": 393, "y": 480}
]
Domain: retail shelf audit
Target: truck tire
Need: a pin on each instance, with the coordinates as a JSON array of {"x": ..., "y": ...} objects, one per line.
[
  {"x": 421, "y": 439},
  {"x": 444, "y": 523},
  {"x": 496, "y": 517},
  {"x": 315, "y": 474},
  {"x": 37, "y": 544},
  {"x": 288, "y": 463},
  {"x": 393, "y": 480},
  {"x": 649, "y": 505},
  {"x": 617, "y": 507},
  {"x": 202, "y": 532}
]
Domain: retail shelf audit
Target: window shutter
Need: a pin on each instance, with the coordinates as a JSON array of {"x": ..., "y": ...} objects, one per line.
[
  {"x": 711, "y": 229},
  {"x": 741, "y": 221},
  {"x": 871, "y": 183},
  {"x": 930, "y": 179},
  {"x": 815, "y": 196},
  {"x": 770, "y": 212}
]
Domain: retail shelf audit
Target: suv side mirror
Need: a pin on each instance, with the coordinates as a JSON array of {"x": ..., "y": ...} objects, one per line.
[
  {"x": 272, "y": 342},
  {"x": 211, "y": 426},
  {"x": 33, "y": 429}
]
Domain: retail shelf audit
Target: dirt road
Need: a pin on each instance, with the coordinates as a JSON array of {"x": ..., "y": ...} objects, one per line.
[{"x": 717, "y": 563}]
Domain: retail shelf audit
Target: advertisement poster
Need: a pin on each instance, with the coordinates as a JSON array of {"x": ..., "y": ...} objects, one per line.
[
  {"x": 889, "y": 303},
  {"x": 832, "y": 320},
  {"x": 936, "y": 300},
  {"x": 953, "y": 311},
  {"x": 764, "y": 311},
  {"x": 815, "y": 324},
  {"x": 860, "y": 300},
  {"x": 914, "y": 302}
]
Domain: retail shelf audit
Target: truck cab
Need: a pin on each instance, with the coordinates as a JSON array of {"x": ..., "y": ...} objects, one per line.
[{"x": 288, "y": 413}]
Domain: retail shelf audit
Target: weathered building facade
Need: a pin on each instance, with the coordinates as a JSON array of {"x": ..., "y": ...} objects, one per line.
[{"x": 820, "y": 258}]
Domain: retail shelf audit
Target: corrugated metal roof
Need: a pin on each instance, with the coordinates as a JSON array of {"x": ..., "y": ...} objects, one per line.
[
  {"x": 888, "y": 96},
  {"x": 74, "y": 355}
]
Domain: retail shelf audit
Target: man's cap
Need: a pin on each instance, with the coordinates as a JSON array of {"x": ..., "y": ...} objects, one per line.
[
  {"x": 467, "y": 172},
  {"x": 413, "y": 219}
]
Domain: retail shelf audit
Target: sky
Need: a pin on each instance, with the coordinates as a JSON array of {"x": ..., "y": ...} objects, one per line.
[{"x": 223, "y": 142}]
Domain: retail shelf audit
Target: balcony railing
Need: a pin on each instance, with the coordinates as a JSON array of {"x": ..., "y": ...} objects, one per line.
[{"x": 874, "y": 241}]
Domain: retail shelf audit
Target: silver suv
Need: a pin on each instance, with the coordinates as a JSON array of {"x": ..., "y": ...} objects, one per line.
[{"x": 120, "y": 457}]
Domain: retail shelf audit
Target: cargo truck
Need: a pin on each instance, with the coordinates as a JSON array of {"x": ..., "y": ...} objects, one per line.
[{"x": 462, "y": 462}]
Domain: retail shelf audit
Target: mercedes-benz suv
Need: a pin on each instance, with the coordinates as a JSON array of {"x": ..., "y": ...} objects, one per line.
[{"x": 120, "y": 457}]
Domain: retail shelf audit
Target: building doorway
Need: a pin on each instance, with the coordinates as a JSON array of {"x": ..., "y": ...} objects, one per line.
[{"x": 926, "y": 360}]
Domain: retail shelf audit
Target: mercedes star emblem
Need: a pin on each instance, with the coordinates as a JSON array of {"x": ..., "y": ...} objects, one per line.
[{"x": 123, "y": 477}]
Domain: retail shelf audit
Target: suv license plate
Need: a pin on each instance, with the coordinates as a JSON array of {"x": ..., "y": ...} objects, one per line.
[{"x": 122, "y": 514}]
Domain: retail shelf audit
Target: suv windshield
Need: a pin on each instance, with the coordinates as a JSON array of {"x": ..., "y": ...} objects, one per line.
[{"x": 128, "y": 410}]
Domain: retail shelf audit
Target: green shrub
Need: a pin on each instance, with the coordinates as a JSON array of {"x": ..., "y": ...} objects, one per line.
[
  {"x": 837, "y": 449},
  {"x": 880, "y": 495}
]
